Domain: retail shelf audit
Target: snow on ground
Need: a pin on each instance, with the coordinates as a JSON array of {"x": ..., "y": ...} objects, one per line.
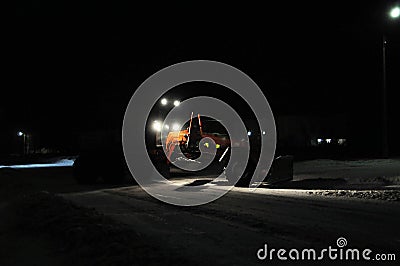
[
  {"x": 377, "y": 179},
  {"x": 388, "y": 195},
  {"x": 58, "y": 163},
  {"x": 228, "y": 231},
  {"x": 377, "y": 171}
]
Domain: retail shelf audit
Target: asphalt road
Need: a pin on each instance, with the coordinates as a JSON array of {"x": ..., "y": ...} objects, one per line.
[{"x": 233, "y": 228}]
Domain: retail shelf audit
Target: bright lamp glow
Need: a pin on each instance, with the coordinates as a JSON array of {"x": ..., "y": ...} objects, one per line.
[
  {"x": 249, "y": 133},
  {"x": 164, "y": 101},
  {"x": 395, "y": 12},
  {"x": 20, "y": 133},
  {"x": 328, "y": 140},
  {"x": 60, "y": 163},
  {"x": 157, "y": 126},
  {"x": 177, "y": 103},
  {"x": 166, "y": 127},
  {"x": 319, "y": 141},
  {"x": 176, "y": 127}
]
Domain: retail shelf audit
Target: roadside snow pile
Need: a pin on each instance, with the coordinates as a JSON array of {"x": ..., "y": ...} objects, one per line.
[
  {"x": 378, "y": 180},
  {"x": 388, "y": 195},
  {"x": 374, "y": 171},
  {"x": 86, "y": 236},
  {"x": 65, "y": 162}
]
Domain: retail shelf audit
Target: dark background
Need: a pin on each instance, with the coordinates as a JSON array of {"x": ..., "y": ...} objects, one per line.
[{"x": 70, "y": 68}]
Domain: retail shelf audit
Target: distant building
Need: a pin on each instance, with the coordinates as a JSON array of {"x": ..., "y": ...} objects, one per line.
[{"x": 303, "y": 131}]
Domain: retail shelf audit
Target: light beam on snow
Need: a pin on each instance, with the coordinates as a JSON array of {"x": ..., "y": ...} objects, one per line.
[{"x": 60, "y": 163}]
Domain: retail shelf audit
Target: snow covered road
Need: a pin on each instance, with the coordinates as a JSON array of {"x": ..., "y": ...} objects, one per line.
[{"x": 233, "y": 228}]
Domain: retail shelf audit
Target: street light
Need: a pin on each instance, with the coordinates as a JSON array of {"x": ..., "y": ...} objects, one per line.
[
  {"x": 22, "y": 134},
  {"x": 164, "y": 101},
  {"x": 157, "y": 126},
  {"x": 394, "y": 14}
]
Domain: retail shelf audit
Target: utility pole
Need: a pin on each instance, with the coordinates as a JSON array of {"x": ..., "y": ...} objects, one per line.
[
  {"x": 385, "y": 146},
  {"x": 394, "y": 14}
]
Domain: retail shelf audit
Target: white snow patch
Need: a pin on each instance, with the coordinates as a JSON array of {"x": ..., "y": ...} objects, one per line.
[
  {"x": 59, "y": 163},
  {"x": 377, "y": 171}
]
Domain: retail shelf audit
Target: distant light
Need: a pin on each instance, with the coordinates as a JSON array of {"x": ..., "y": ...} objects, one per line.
[
  {"x": 395, "y": 12},
  {"x": 20, "y": 133},
  {"x": 264, "y": 133},
  {"x": 217, "y": 146},
  {"x": 342, "y": 141},
  {"x": 319, "y": 141},
  {"x": 60, "y": 163},
  {"x": 164, "y": 101},
  {"x": 177, "y": 103},
  {"x": 176, "y": 127},
  {"x": 249, "y": 133},
  {"x": 328, "y": 140},
  {"x": 166, "y": 127},
  {"x": 157, "y": 126}
]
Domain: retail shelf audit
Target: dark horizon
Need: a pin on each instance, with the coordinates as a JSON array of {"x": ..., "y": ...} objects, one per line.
[{"x": 67, "y": 72}]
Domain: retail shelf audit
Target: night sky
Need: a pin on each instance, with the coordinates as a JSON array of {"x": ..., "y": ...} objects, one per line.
[{"x": 73, "y": 68}]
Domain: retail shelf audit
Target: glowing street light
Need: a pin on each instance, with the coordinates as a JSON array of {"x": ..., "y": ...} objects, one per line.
[
  {"x": 164, "y": 101},
  {"x": 157, "y": 126},
  {"x": 395, "y": 12},
  {"x": 22, "y": 134}
]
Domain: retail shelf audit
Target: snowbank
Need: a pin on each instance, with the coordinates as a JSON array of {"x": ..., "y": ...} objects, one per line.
[{"x": 378, "y": 171}]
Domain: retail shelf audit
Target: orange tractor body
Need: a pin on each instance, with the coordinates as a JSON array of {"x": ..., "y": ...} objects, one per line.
[{"x": 187, "y": 141}]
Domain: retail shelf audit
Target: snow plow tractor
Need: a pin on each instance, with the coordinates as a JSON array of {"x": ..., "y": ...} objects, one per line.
[
  {"x": 187, "y": 145},
  {"x": 101, "y": 157}
]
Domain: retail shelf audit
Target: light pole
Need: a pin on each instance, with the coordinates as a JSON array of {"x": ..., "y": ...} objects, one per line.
[
  {"x": 22, "y": 134},
  {"x": 385, "y": 146},
  {"x": 394, "y": 14}
]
